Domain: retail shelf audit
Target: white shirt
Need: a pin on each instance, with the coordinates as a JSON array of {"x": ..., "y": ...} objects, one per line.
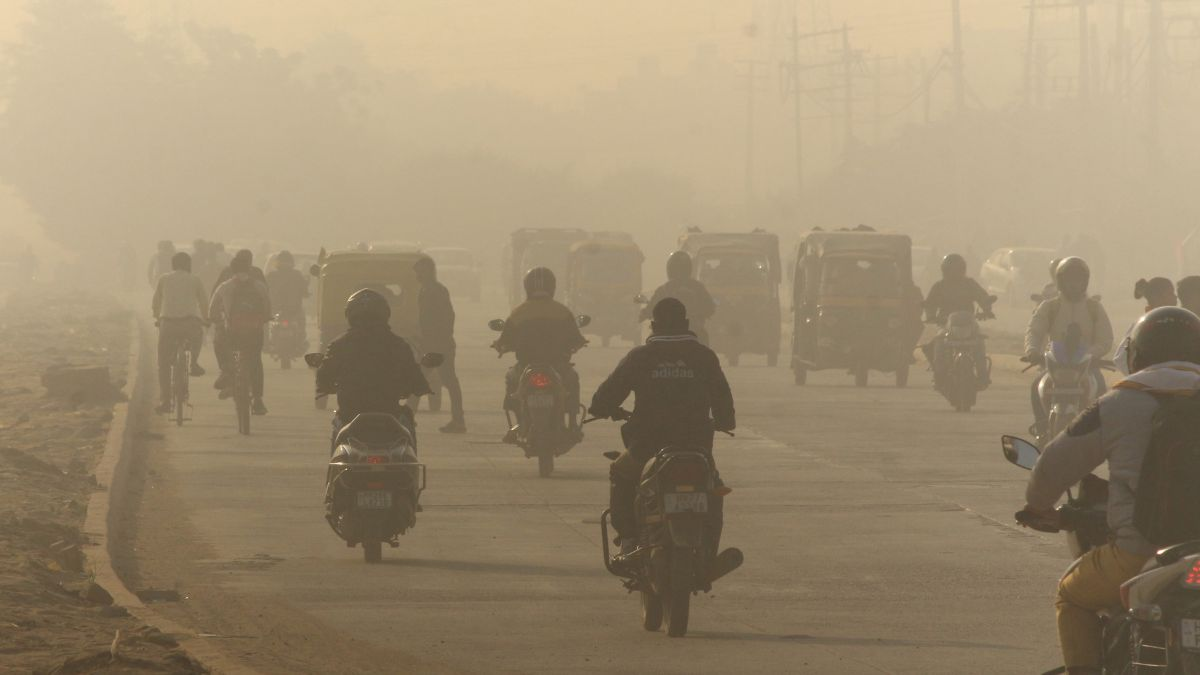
[{"x": 180, "y": 295}]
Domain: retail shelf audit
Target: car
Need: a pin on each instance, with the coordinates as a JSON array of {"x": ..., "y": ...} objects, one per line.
[
  {"x": 459, "y": 270},
  {"x": 1014, "y": 274}
]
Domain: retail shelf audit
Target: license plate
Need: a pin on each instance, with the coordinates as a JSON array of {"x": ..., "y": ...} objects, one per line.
[
  {"x": 374, "y": 499},
  {"x": 1189, "y": 634},
  {"x": 696, "y": 502},
  {"x": 540, "y": 401}
]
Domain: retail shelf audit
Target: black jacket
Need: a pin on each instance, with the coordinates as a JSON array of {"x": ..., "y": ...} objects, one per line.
[
  {"x": 681, "y": 394},
  {"x": 436, "y": 318},
  {"x": 960, "y": 295},
  {"x": 370, "y": 369}
]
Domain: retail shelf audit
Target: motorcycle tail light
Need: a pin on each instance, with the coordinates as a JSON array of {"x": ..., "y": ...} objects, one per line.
[
  {"x": 283, "y": 323},
  {"x": 685, "y": 473},
  {"x": 377, "y": 459},
  {"x": 539, "y": 380},
  {"x": 1192, "y": 578}
]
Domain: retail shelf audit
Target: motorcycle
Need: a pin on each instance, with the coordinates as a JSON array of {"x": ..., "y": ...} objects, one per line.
[
  {"x": 676, "y": 553},
  {"x": 540, "y": 403},
  {"x": 286, "y": 340},
  {"x": 374, "y": 482},
  {"x": 1156, "y": 629},
  {"x": 1068, "y": 383},
  {"x": 962, "y": 338}
]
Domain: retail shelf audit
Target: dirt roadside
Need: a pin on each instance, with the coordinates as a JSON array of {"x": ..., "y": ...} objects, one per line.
[{"x": 53, "y": 617}]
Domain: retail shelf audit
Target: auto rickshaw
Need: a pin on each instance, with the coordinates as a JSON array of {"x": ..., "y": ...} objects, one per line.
[
  {"x": 536, "y": 247},
  {"x": 341, "y": 273},
  {"x": 855, "y": 303},
  {"x": 742, "y": 271},
  {"x": 602, "y": 276}
]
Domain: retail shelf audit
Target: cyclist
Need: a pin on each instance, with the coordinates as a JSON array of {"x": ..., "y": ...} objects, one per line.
[
  {"x": 242, "y": 306},
  {"x": 180, "y": 310}
]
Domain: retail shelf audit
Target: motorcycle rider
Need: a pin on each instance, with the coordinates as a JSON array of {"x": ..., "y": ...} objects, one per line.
[
  {"x": 544, "y": 330},
  {"x": 1189, "y": 294},
  {"x": 288, "y": 288},
  {"x": 1164, "y": 353},
  {"x": 1157, "y": 292},
  {"x": 436, "y": 324},
  {"x": 1052, "y": 319},
  {"x": 161, "y": 262},
  {"x": 180, "y": 307},
  {"x": 681, "y": 398},
  {"x": 241, "y": 306},
  {"x": 683, "y": 287},
  {"x": 369, "y": 367},
  {"x": 955, "y": 292}
]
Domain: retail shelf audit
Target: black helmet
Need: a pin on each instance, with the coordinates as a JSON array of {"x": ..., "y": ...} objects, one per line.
[
  {"x": 1072, "y": 276},
  {"x": 540, "y": 282},
  {"x": 285, "y": 260},
  {"x": 954, "y": 266},
  {"x": 679, "y": 266},
  {"x": 1164, "y": 334},
  {"x": 425, "y": 268},
  {"x": 366, "y": 307},
  {"x": 181, "y": 261}
]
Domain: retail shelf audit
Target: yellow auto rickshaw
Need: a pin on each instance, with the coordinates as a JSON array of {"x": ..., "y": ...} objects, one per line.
[
  {"x": 856, "y": 307},
  {"x": 742, "y": 272},
  {"x": 604, "y": 275},
  {"x": 531, "y": 247},
  {"x": 341, "y": 273}
]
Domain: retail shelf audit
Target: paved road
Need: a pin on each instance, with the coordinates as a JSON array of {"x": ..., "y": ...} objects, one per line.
[{"x": 875, "y": 525}]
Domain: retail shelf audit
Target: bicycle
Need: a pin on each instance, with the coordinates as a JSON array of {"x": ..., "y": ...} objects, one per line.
[
  {"x": 241, "y": 393},
  {"x": 180, "y": 373}
]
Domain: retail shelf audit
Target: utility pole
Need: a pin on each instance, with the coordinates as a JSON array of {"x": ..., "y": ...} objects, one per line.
[
  {"x": 960, "y": 83},
  {"x": 1085, "y": 53},
  {"x": 1154, "y": 67},
  {"x": 750, "y": 86},
  {"x": 877, "y": 116},
  {"x": 848, "y": 87},
  {"x": 1030, "y": 43},
  {"x": 796, "y": 120}
]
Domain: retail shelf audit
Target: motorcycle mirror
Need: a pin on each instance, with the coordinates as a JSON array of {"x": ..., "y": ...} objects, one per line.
[
  {"x": 314, "y": 359},
  {"x": 315, "y": 270},
  {"x": 496, "y": 325},
  {"x": 1019, "y": 451},
  {"x": 640, "y": 299},
  {"x": 583, "y": 320},
  {"x": 432, "y": 360},
  {"x": 612, "y": 455}
]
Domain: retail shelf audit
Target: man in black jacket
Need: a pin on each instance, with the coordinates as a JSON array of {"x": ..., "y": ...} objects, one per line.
[
  {"x": 369, "y": 367},
  {"x": 436, "y": 319},
  {"x": 681, "y": 398}
]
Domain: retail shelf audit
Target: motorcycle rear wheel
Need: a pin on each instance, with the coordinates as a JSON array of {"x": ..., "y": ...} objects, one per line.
[
  {"x": 861, "y": 376},
  {"x": 652, "y": 611},
  {"x": 679, "y": 603},
  {"x": 372, "y": 551},
  {"x": 545, "y": 464}
]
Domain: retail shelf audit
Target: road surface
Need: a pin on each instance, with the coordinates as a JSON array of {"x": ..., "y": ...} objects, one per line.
[{"x": 875, "y": 524}]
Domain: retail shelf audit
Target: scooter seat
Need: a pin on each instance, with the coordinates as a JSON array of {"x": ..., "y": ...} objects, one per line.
[
  {"x": 374, "y": 430},
  {"x": 1173, "y": 554}
]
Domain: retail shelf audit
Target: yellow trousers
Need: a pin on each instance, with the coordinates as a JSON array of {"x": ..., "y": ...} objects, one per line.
[{"x": 1093, "y": 585}]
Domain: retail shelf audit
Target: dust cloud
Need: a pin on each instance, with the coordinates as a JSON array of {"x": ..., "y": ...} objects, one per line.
[{"x": 310, "y": 123}]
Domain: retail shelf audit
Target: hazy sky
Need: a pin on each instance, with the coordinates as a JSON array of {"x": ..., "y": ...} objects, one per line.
[{"x": 550, "y": 48}]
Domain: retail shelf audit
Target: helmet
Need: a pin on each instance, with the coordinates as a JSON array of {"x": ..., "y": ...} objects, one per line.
[
  {"x": 181, "y": 261},
  {"x": 954, "y": 266},
  {"x": 285, "y": 260},
  {"x": 366, "y": 307},
  {"x": 539, "y": 282},
  {"x": 1054, "y": 267},
  {"x": 425, "y": 268},
  {"x": 1071, "y": 276},
  {"x": 1164, "y": 334},
  {"x": 679, "y": 266},
  {"x": 242, "y": 261}
]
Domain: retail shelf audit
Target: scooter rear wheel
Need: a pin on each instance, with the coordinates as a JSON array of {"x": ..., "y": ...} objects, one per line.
[{"x": 372, "y": 551}]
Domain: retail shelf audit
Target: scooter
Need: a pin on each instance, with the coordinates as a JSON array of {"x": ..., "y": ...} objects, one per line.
[
  {"x": 287, "y": 340},
  {"x": 1068, "y": 383},
  {"x": 540, "y": 403},
  {"x": 676, "y": 554},
  {"x": 374, "y": 482},
  {"x": 1156, "y": 629}
]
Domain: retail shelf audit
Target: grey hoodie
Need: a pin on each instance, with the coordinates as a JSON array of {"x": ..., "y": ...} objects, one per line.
[{"x": 1116, "y": 428}]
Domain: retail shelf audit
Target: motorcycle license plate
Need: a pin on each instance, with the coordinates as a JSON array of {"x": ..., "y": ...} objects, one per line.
[
  {"x": 695, "y": 502},
  {"x": 1189, "y": 634},
  {"x": 540, "y": 401},
  {"x": 374, "y": 499}
]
